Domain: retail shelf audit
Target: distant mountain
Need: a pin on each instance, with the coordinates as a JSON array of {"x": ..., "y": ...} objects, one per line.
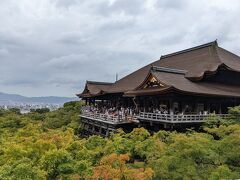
[{"x": 15, "y": 98}]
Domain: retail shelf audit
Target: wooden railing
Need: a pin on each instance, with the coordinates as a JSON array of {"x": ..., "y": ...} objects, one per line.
[
  {"x": 185, "y": 118},
  {"x": 167, "y": 118},
  {"x": 106, "y": 117}
]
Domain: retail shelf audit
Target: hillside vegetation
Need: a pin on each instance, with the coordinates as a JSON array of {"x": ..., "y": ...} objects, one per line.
[{"x": 45, "y": 145}]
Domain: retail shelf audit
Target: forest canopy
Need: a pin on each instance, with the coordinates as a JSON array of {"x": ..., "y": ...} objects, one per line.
[{"x": 46, "y": 145}]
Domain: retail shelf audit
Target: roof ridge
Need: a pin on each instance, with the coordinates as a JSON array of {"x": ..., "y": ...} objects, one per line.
[
  {"x": 169, "y": 70},
  {"x": 213, "y": 43},
  {"x": 98, "y": 82}
]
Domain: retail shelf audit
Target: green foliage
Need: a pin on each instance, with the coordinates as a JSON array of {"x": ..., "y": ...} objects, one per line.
[
  {"x": 83, "y": 168},
  {"x": 223, "y": 172},
  {"x": 15, "y": 111},
  {"x": 66, "y": 116},
  {"x": 57, "y": 163},
  {"x": 41, "y": 111},
  {"x": 235, "y": 114},
  {"x": 12, "y": 121},
  {"x": 44, "y": 145},
  {"x": 94, "y": 142},
  {"x": 22, "y": 169},
  {"x": 215, "y": 121}
]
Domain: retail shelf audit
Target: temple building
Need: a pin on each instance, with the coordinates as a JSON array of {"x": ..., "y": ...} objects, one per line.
[{"x": 178, "y": 90}]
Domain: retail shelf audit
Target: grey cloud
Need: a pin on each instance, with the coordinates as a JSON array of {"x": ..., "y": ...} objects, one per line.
[
  {"x": 130, "y": 7},
  {"x": 3, "y": 52},
  {"x": 173, "y": 4},
  {"x": 73, "y": 39},
  {"x": 108, "y": 8},
  {"x": 67, "y": 61},
  {"x": 10, "y": 40},
  {"x": 53, "y": 47},
  {"x": 65, "y": 3},
  {"x": 22, "y": 82}
]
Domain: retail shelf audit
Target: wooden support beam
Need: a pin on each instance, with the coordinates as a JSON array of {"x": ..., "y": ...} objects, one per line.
[
  {"x": 107, "y": 132},
  {"x": 151, "y": 123}
]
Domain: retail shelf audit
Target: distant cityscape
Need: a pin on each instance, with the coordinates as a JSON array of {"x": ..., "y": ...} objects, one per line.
[
  {"x": 26, "y": 108},
  {"x": 25, "y": 104}
]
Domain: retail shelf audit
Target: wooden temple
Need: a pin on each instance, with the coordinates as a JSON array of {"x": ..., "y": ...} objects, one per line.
[{"x": 179, "y": 90}]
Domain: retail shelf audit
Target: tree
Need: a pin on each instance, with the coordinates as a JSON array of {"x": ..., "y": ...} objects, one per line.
[
  {"x": 189, "y": 155},
  {"x": 83, "y": 169},
  {"x": 57, "y": 163},
  {"x": 15, "y": 111},
  {"x": 114, "y": 167},
  {"x": 22, "y": 169},
  {"x": 234, "y": 114},
  {"x": 222, "y": 173},
  {"x": 42, "y": 110},
  {"x": 31, "y": 148},
  {"x": 214, "y": 121}
]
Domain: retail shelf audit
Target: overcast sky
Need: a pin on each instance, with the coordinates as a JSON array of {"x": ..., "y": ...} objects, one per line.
[{"x": 51, "y": 47}]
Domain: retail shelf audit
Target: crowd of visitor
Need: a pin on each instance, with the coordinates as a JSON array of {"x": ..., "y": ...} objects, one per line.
[
  {"x": 121, "y": 111},
  {"x": 131, "y": 111}
]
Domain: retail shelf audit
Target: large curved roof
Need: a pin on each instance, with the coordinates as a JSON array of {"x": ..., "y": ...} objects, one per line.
[{"x": 196, "y": 61}]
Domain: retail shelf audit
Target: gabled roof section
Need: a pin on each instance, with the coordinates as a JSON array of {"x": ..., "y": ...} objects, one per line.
[
  {"x": 151, "y": 76},
  {"x": 94, "y": 88},
  {"x": 150, "y": 83},
  {"x": 177, "y": 82},
  {"x": 163, "y": 84}
]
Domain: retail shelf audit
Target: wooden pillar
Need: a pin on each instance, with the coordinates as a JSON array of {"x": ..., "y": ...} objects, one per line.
[
  {"x": 208, "y": 107},
  {"x": 87, "y": 127},
  {"x": 89, "y": 102},
  {"x": 165, "y": 126},
  {"x": 82, "y": 125},
  {"x": 151, "y": 123},
  {"x": 171, "y": 106},
  {"x": 107, "y": 132},
  {"x": 139, "y": 125},
  {"x": 220, "y": 107},
  {"x": 235, "y": 102},
  {"x": 144, "y": 104},
  {"x": 135, "y": 103}
]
